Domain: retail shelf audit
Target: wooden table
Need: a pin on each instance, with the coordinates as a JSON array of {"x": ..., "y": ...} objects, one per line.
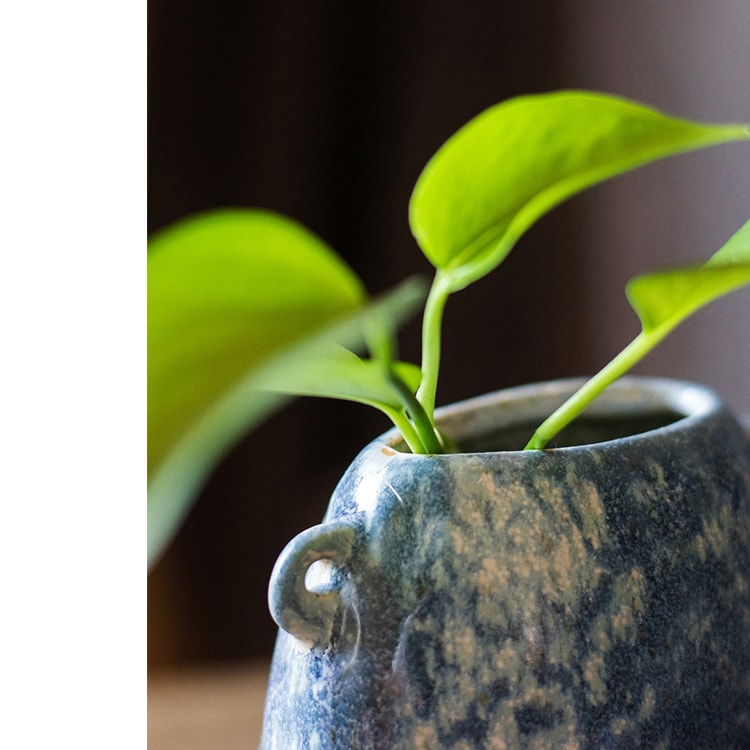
[{"x": 207, "y": 708}]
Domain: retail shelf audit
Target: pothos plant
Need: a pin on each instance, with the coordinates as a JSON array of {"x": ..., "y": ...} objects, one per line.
[{"x": 247, "y": 307}]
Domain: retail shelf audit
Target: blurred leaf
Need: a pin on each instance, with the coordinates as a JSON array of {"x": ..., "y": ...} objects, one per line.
[
  {"x": 232, "y": 293},
  {"x": 226, "y": 290},
  {"x": 335, "y": 372},
  {"x": 514, "y": 162}
]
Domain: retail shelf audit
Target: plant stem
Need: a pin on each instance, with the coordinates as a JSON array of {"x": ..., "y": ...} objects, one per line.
[
  {"x": 406, "y": 428},
  {"x": 421, "y": 422},
  {"x": 629, "y": 356},
  {"x": 431, "y": 334}
]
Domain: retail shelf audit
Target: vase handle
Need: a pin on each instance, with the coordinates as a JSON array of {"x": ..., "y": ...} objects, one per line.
[{"x": 305, "y": 614}]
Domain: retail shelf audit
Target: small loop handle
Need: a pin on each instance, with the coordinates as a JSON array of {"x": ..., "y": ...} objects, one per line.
[{"x": 308, "y": 615}]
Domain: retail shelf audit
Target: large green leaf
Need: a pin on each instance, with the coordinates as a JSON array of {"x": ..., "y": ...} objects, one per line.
[
  {"x": 514, "y": 162},
  {"x": 225, "y": 291},
  {"x": 237, "y": 298}
]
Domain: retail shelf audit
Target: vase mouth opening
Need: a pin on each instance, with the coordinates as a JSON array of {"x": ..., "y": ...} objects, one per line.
[{"x": 631, "y": 408}]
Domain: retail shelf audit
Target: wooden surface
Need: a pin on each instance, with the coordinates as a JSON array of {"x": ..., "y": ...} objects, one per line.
[{"x": 207, "y": 708}]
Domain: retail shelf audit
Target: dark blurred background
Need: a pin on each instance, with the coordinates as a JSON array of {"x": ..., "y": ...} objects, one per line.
[{"x": 326, "y": 112}]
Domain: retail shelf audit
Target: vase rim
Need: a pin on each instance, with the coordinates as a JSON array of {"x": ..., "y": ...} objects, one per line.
[{"x": 631, "y": 395}]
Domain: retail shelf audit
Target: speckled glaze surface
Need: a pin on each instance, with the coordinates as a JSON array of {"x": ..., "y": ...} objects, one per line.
[{"x": 586, "y": 597}]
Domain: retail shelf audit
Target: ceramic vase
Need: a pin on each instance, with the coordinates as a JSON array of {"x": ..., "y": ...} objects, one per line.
[{"x": 589, "y": 596}]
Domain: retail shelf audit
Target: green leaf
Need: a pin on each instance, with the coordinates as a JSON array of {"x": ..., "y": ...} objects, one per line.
[
  {"x": 662, "y": 301},
  {"x": 234, "y": 295},
  {"x": 665, "y": 298},
  {"x": 517, "y": 160},
  {"x": 334, "y": 372},
  {"x": 226, "y": 290},
  {"x": 735, "y": 250}
]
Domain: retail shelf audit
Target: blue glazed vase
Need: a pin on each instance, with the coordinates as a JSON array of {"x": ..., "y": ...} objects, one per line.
[{"x": 592, "y": 596}]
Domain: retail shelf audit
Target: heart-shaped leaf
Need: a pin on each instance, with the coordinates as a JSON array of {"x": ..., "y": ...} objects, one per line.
[
  {"x": 514, "y": 162},
  {"x": 234, "y": 297}
]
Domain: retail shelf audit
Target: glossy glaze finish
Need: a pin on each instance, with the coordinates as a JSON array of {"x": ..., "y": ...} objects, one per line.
[{"x": 587, "y": 597}]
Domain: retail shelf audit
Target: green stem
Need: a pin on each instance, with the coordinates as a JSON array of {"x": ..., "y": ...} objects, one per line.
[
  {"x": 406, "y": 428},
  {"x": 565, "y": 414},
  {"x": 422, "y": 423},
  {"x": 431, "y": 333}
]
